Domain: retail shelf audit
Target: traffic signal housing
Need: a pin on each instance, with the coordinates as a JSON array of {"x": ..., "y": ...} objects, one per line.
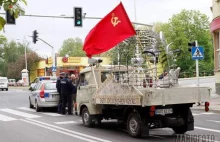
[
  {"x": 35, "y": 36},
  {"x": 78, "y": 17},
  {"x": 191, "y": 44},
  {"x": 10, "y": 19}
]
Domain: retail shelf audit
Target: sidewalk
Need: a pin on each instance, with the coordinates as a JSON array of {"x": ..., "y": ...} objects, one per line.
[
  {"x": 19, "y": 87},
  {"x": 214, "y": 104}
]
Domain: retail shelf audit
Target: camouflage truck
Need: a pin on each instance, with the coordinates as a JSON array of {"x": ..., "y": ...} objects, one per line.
[{"x": 136, "y": 99}]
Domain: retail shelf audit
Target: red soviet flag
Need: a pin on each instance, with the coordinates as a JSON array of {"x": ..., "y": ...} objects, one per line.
[{"x": 111, "y": 30}]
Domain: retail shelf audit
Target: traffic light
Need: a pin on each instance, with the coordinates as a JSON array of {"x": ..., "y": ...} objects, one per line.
[
  {"x": 10, "y": 19},
  {"x": 192, "y": 44},
  {"x": 77, "y": 16},
  {"x": 35, "y": 36}
]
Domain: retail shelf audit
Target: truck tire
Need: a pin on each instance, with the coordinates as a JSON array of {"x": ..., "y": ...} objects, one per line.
[
  {"x": 184, "y": 128},
  {"x": 134, "y": 125},
  {"x": 86, "y": 118},
  {"x": 180, "y": 130}
]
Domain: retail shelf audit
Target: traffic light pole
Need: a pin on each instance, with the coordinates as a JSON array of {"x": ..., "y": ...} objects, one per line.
[
  {"x": 53, "y": 53},
  {"x": 197, "y": 66}
]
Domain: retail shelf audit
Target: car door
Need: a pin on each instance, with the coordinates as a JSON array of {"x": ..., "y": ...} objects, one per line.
[{"x": 34, "y": 92}]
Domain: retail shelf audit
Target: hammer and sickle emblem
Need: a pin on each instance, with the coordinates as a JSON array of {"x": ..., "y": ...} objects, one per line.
[{"x": 114, "y": 20}]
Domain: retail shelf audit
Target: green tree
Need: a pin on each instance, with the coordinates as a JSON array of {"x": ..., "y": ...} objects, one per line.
[
  {"x": 15, "y": 68},
  {"x": 126, "y": 50},
  {"x": 72, "y": 47},
  {"x": 14, "y": 8},
  {"x": 188, "y": 26},
  {"x": 158, "y": 26},
  {"x": 10, "y": 52}
]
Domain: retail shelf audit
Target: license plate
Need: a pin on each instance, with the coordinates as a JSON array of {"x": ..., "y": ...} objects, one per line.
[
  {"x": 53, "y": 95},
  {"x": 163, "y": 111}
]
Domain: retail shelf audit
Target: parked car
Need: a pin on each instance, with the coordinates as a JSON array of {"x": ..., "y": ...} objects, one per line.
[
  {"x": 4, "y": 83},
  {"x": 37, "y": 79},
  {"x": 44, "y": 94},
  {"x": 11, "y": 82},
  {"x": 20, "y": 83}
]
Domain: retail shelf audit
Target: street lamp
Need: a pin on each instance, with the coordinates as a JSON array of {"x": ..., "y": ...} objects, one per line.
[{"x": 25, "y": 56}]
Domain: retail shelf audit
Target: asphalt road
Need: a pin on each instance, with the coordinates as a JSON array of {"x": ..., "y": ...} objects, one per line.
[{"x": 18, "y": 123}]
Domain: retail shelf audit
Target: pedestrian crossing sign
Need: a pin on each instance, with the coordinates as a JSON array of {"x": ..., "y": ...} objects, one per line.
[{"x": 197, "y": 53}]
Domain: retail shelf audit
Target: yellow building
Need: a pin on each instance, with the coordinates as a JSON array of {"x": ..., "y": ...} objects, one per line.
[
  {"x": 215, "y": 29},
  {"x": 71, "y": 65}
]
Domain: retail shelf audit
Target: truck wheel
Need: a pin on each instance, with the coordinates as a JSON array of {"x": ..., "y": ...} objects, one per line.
[
  {"x": 180, "y": 130},
  {"x": 86, "y": 118},
  {"x": 134, "y": 125}
]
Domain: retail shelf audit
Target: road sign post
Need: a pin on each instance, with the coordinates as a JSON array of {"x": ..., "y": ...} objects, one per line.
[{"x": 197, "y": 54}]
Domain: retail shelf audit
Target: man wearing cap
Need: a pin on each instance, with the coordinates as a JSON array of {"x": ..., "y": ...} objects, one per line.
[
  {"x": 58, "y": 86},
  {"x": 67, "y": 88}
]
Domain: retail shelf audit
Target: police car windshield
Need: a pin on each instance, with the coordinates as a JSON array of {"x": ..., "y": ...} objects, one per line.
[{"x": 50, "y": 86}]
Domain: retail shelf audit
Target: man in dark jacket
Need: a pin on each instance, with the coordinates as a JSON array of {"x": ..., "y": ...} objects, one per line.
[
  {"x": 58, "y": 86},
  {"x": 67, "y": 90}
]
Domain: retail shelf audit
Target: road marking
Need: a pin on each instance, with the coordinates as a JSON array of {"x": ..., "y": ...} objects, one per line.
[
  {"x": 52, "y": 114},
  {"x": 19, "y": 113},
  {"x": 59, "y": 131},
  {"x": 195, "y": 114},
  {"x": 6, "y": 118},
  {"x": 65, "y": 122},
  {"x": 207, "y": 113},
  {"x": 27, "y": 109},
  {"x": 207, "y": 129},
  {"x": 70, "y": 131},
  {"x": 213, "y": 121}
]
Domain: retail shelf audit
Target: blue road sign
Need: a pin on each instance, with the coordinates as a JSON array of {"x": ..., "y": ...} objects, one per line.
[
  {"x": 54, "y": 69},
  {"x": 197, "y": 53}
]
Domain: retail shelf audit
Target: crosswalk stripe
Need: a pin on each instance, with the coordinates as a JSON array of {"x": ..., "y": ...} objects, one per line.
[
  {"x": 213, "y": 121},
  {"x": 6, "y": 118},
  {"x": 19, "y": 113},
  {"x": 196, "y": 114},
  {"x": 208, "y": 113},
  {"x": 65, "y": 122},
  {"x": 27, "y": 109},
  {"x": 52, "y": 114}
]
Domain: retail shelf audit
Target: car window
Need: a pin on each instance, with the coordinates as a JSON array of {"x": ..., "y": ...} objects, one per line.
[
  {"x": 36, "y": 87},
  {"x": 50, "y": 86}
]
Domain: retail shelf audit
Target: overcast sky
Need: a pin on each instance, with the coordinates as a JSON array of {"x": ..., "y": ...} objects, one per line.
[{"x": 55, "y": 31}]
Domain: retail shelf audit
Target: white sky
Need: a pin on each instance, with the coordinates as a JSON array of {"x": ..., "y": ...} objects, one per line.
[{"x": 55, "y": 31}]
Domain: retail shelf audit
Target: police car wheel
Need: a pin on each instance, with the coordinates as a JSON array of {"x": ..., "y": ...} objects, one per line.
[
  {"x": 86, "y": 118},
  {"x": 37, "y": 107},
  {"x": 30, "y": 105}
]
